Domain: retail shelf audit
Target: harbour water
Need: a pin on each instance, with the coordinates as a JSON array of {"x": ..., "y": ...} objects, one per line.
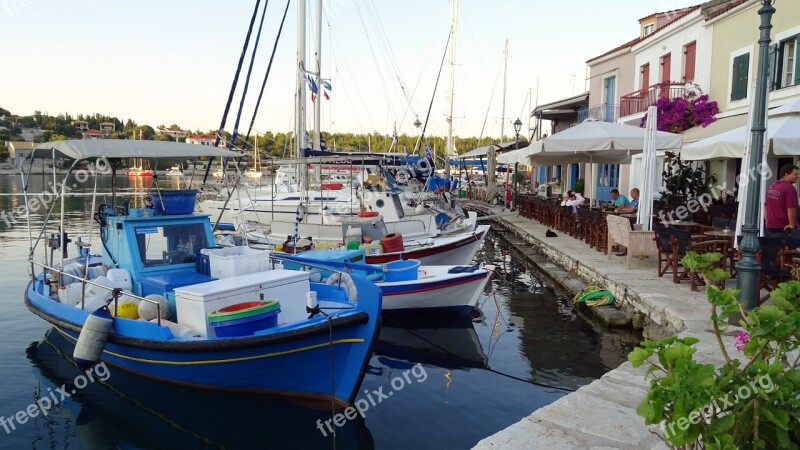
[{"x": 441, "y": 384}]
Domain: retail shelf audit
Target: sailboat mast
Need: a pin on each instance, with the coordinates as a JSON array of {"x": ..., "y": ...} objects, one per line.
[
  {"x": 318, "y": 63},
  {"x": 450, "y": 150},
  {"x": 300, "y": 94},
  {"x": 505, "y": 81}
]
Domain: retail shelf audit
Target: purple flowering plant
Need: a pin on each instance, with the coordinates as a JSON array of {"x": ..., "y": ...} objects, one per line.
[{"x": 679, "y": 114}]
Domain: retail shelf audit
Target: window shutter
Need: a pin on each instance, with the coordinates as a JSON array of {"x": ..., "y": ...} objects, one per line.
[
  {"x": 773, "y": 75},
  {"x": 797, "y": 60},
  {"x": 743, "y": 83}
]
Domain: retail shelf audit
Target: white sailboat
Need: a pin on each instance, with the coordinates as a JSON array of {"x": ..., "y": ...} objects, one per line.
[{"x": 255, "y": 171}]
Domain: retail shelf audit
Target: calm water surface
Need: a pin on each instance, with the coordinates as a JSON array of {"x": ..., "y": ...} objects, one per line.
[{"x": 527, "y": 349}]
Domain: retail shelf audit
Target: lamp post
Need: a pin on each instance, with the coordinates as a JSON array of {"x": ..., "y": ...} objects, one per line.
[
  {"x": 517, "y": 128},
  {"x": 748, "y": 268}
]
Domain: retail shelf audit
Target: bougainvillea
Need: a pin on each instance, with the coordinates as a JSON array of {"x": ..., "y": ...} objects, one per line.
[{"x": 681, "y": 113}]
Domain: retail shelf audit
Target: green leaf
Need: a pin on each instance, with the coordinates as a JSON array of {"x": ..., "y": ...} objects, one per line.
[
  {"x": 638, "y": 356},
  {"x": 718, "y": 275},
  {"x": 721, "y": 425},
  {"x": 777, "y": 416}
]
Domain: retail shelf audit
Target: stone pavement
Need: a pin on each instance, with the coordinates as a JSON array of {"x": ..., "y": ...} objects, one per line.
[{"x": 602, "y": 415}]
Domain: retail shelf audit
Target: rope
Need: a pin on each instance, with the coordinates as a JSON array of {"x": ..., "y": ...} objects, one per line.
[
  {"x": 233, "y": 88},
  {"x": 594, "y": 296},
  {"x": 435, "y": 87},
  {"x": 247, "y": 81},
  {"x": 269, "y": 67}
]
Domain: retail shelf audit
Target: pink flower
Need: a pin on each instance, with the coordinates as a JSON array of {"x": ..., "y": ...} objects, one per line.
[{"x": 741, "y": 340}]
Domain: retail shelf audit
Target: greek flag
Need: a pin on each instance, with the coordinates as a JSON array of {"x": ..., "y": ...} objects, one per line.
[{"x": 429, "y": 153}]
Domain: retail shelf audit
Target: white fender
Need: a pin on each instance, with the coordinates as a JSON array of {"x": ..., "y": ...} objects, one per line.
[
  {"x": 93, "y": 337},
  {"x": 348, "y": 284}
]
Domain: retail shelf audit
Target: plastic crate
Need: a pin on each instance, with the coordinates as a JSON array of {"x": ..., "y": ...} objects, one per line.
[{"x": 235, "y": 261}]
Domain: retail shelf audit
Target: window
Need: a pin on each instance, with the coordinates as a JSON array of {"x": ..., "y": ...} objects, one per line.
[
  {"x": 784, "y": 56},
  {"x": 648, "y": 29},
  {"x": 170, "y": 244},
  {"x": 739, "y": 76}
]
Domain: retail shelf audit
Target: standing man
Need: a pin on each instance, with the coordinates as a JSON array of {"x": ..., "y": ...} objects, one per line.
[{"x": 781, "y": 204}]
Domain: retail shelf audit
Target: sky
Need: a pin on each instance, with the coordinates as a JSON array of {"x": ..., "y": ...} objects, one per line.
[{"x": 165, "y": 62}]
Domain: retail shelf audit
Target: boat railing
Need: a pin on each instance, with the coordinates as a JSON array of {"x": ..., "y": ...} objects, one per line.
[{"x": 84, "y": 281}]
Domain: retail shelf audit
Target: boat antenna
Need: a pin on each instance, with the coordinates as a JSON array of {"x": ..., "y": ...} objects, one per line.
[
  {"x": 233, "y": 87},
  {"x": 428, "y": 116}
]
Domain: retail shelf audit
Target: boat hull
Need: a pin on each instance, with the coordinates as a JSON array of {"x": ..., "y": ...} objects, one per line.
[
  {"x": 453, "y": 250},
  {"x": 457, "y": 295},
  {"x": 295, "y": 362}
]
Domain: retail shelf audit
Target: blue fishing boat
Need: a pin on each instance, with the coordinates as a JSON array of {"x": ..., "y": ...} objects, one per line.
[{"x": 183, "y": 312}]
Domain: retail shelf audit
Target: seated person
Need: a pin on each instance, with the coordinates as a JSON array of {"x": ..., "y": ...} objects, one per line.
[
  {"x": 619, "y": 201},
  {"x": 633, "y": 204},
  {"x": 727, "y": 198},
  {"x": 573, "y": 199}
]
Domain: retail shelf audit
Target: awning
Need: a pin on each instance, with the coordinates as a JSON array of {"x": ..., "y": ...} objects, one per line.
[
  {"x": 118, "y": 148},
  {"x": 718, "y": 126},
  {"x": 478, "y": 152}
]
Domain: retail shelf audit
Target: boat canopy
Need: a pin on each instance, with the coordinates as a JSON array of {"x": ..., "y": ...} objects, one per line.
[{"x": 118, "y": 148}]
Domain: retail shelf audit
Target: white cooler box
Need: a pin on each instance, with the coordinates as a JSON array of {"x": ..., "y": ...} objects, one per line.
[
  {"x": 193, "y": 303},
  {"x": 235, "y": 261}
]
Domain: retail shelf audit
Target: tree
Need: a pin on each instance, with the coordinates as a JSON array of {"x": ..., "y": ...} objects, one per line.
[{"x": 4, "y": 112}]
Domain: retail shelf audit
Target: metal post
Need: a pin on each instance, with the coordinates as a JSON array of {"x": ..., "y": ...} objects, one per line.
[
  {"x": 517, "y": 128},
  {"x": 748, "y": 269}
]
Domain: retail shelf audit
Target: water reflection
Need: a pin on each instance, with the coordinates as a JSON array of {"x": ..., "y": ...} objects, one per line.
[{"x": 128, "y": 410}]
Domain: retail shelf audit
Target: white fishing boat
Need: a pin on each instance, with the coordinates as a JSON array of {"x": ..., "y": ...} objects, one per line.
[{"x": 407, "y": 285}]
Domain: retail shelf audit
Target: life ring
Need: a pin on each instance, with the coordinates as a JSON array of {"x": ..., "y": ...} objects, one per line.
[
  {"x": 368, "y": 214},
  {"x": 347, "y": 282}
]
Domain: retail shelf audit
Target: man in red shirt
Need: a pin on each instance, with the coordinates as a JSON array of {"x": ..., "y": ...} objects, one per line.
[{"x": 781, "y": 203}]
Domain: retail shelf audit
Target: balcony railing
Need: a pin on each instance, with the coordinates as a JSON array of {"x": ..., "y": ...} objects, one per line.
[
  {"x": 638, "y": 101},
  {"x": 605, "y": 113}
]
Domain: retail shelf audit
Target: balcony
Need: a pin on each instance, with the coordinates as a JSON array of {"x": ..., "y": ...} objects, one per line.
[
  {"x": 638, "y": 101},
  {"x": 605, "y": 113}
]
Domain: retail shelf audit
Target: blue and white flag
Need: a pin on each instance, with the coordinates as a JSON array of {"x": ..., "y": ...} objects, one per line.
[
  {"x": 326, "y": 89},
  {"x": 312, "y": 84},
  {"x": 429, "y": 153}
]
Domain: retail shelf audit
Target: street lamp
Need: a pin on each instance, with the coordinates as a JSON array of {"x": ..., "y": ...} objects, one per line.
[
  {"x": 748, "y": 268},
  {"x": 517, "y": 128}
]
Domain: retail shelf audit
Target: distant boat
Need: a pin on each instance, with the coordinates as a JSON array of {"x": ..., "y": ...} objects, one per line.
[
  {"x": 255, "y": 171},
  {"x": 174, "y": 171},
  {"x": 138, "y": 169}
]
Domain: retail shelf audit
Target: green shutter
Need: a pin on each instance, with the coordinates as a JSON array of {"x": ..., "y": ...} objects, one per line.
[
  {"x": 797, "y": 60},
  {"x": 773, "y": 75},
  {"x": 739, "y": 77}
]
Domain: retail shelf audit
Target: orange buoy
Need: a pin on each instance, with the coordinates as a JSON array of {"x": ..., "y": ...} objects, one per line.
[
  {"x": 392, "y": 242},
  {"x": 368, "y": 214}
]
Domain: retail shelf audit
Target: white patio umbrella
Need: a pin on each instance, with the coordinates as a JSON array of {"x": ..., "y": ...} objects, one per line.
[
  {"x": 597, "y": 142},
  {"x": 649, "y": 164},
  {"x": 520, "y": 156},
  {"x": 783, "y": 138}
]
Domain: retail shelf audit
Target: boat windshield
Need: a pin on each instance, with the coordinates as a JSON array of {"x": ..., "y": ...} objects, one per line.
[{"x": 170, "y": 244}]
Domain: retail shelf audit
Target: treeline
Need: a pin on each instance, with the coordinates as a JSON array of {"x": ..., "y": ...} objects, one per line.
[{"x": 279, "y": 145}]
